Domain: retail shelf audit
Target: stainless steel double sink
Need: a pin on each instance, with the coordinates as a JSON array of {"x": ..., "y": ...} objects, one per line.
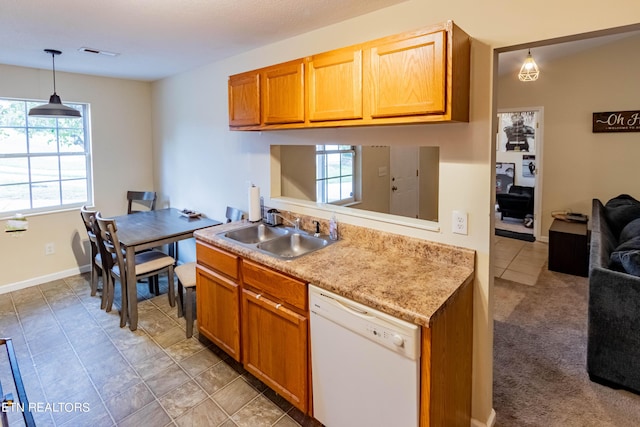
[{"x": 281, "y": 242}]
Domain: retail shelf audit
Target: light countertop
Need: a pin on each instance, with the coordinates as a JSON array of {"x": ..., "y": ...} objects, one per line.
[{"x": 405, "y": 277}]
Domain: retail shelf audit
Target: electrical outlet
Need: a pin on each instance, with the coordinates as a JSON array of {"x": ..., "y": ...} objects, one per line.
[
  {"x": 49, "y": 249},
  {"x": 459, "y": 222}
]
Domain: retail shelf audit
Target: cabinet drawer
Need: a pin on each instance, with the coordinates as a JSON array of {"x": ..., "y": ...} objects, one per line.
[
  {"x": 279, "y": 286},
  {"x": 217, "y": 259}
]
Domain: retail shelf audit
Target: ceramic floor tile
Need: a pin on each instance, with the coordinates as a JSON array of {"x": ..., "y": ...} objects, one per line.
[
  {"x": 184, "y": 349},
  {"x": 502, "y": 262},
  {"x": 518, "y": 277},
  {"x": 130, "y": 401},
  {"x": 257, "y": 413},
  {"x": 155, "y": 323},
  {"x": 143, "y": 350},
  {"x": 207, "y": 413},
  {"x": 151, "y": 415},
  {"x": 170, "y": 337},
  {"x": 526, "y": 268},
  {"x": 199, "y": 362},
  {"x": 235, "y": 395},
  {"x": 278, "y": 400},
  {"x": 286, "y": 421},
  {"x": 183, "y": 398},
  {"x": 167, "y": 380},
  {"x": 150, "y": 367},
  {"x": 217, "y": 377},
  {"x": 74, "y": 406}
]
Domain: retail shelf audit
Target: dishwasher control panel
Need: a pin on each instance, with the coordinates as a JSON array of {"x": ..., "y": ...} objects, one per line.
[{"x": 393, "y": 333}]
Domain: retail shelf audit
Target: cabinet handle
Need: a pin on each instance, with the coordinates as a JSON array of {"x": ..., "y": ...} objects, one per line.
[
  {"x": 258, "y": 296},
  {"x": 278, "y": 306}
]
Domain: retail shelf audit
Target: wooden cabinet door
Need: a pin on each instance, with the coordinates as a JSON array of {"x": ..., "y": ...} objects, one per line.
[
  {"x": 275, "y": 347},
  {"x": 407, "y": 77},
  {"x": 283, "y": 93},
  {"x": 334, "y": 85},
  {"x": 218, "y": 308},
  {"x": 244, "y": 99}
]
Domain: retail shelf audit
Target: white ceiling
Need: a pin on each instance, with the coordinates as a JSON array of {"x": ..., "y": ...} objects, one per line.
[
  {"x": 157, "y": 38},
  {"x": 511, "y": 61},
  {"x": 160, "y": 38}
]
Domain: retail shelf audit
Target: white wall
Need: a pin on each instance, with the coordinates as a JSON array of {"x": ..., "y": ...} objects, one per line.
[
  {"x": 202, "y": 164},
  {"x": 121, "y": 150}
]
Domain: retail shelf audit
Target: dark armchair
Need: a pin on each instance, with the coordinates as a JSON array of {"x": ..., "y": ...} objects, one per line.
[{"x": 517, "y": 203}]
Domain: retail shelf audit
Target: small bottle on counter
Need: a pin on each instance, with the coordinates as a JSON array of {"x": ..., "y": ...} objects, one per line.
[{"x": 333, "y": 228}]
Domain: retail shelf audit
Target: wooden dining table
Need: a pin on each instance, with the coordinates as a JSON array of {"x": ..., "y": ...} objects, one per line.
[{"x": 150, "y": 229}]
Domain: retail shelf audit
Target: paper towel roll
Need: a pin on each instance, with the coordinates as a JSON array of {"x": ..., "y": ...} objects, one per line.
[{"x": 254, "y": 204}]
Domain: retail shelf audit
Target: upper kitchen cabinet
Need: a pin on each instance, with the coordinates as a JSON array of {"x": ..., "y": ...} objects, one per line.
[
  {"x": 407, "y": 77},
  {"x": 415, "y": 77},
  {"x": 244, "y": 99},
  {"x": 334, "y": 85},
  {"x": 283, "y": 93}
]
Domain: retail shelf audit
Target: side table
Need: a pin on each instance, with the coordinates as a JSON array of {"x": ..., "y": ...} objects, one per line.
[{"x": 569, "y": 247}]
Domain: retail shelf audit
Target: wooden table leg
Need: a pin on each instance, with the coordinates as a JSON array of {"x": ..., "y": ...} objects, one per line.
[{"x": 132, "y": 289}]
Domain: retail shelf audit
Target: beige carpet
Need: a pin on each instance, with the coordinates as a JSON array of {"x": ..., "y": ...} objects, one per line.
[{"x": 540, "y": 376}]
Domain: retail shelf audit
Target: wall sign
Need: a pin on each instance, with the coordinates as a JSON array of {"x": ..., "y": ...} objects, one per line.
[{"x": 616, "y": 121}]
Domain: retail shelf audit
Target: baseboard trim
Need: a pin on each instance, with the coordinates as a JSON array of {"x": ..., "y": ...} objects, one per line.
[
  {"x": 43, "y": 279},
  {"x": 491, "y": 421}
]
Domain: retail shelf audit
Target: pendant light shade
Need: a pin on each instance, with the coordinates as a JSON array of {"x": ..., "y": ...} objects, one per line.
[
  {"x": 529, "y": 70},
  {"x": 55, "y": 107}
]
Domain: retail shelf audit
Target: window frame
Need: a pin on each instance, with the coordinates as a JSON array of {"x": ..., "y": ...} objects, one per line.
[
  {"x": 60, "y": 154},
  {"x": 355, "y": 178}
]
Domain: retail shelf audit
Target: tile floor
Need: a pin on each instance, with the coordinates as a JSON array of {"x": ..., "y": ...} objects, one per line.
[
  {"x": 518, "y": 260},
  {"x": 70, "y": 351}
]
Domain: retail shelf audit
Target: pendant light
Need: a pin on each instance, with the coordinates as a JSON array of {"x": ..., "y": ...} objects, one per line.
[
  {"x": 529, "y": 71},
  {"x": 55, "y": 107}
]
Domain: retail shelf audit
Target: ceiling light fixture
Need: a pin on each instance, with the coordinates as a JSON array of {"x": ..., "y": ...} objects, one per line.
[
  {"x": 529, "y": 70},
  {"x": 55, "y": 107}
]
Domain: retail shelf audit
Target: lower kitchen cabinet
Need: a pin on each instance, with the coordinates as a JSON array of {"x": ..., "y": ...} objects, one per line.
[
  {"x": 275, "y": 346},
  {"x": 218, "y": 298},
  {"x": 237, "y": 298},
  {"x": 275, "y": 330}
]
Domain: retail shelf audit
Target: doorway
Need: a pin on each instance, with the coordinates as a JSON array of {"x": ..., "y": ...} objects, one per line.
[{"x": 518, "y": 180}]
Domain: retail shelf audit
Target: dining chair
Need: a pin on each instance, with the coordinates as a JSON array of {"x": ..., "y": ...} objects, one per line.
[
  {"x": 186, "y": 282},
  {"x": 97, "y": 270},
  {"x": 233, "y": 214},
  {"x": 141, "y": 198},
  {"x": 135, "y": 200},
  {"x": 146, "y": 264}
]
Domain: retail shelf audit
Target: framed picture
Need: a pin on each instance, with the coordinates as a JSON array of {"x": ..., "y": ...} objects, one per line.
[
  {"x": 516, "y": 131},
  {"x": 528, "y": 166},
  {"x": 504, "y": 176}
]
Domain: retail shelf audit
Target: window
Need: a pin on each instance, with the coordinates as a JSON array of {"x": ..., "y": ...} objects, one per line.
[
  {"x": 45, "y": 163},
  {"x": 335, "y": 173}
]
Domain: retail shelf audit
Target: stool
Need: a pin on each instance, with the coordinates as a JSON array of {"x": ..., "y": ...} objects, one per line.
[{"x": 186, "y": 279}]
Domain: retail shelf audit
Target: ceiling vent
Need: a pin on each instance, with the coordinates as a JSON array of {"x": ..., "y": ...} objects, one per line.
[{"x": 97, "y": 51}]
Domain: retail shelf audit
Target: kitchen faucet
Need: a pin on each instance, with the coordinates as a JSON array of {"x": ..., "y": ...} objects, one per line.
[{"x": 295, "y": 223}]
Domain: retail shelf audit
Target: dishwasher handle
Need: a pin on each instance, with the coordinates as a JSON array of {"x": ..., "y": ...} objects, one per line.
[{"x": 354, "y": 310}]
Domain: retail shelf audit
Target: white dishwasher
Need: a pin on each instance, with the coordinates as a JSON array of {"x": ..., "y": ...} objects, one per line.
[{"x": 365, "y": 364}]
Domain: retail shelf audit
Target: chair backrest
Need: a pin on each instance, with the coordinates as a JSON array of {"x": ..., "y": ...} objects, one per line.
[
  {"x": 109, "y": 235},
  {"x": 144, "y": 198},
  {"x": 87, "y": 216},
  {"x": 233, "y": 214}
]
